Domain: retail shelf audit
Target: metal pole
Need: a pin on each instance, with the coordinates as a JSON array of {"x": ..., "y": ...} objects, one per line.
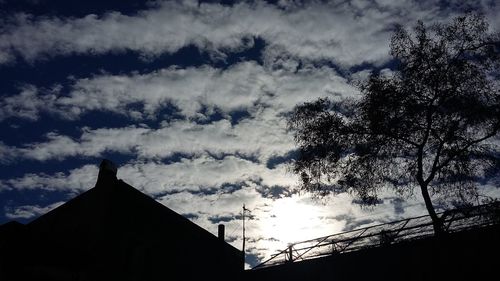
[{"x": 243, "y": 228}]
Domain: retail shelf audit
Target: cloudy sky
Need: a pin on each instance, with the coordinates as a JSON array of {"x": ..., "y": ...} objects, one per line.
[{"x": 190, "y": 100}]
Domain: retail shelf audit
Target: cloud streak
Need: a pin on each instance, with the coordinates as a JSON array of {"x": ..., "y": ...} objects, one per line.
[
  {"x": 217, "y": 29},
  {"x": 244, "y": 86},
  {"x": 259, "y": 138},
  {"x": 29, "y": 211},
  {"x": 201, "y": 174},
  {"x": 74, "y": 181}
]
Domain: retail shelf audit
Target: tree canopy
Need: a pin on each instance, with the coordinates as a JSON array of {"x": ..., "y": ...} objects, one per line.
[{"x": 431, "y": 123}]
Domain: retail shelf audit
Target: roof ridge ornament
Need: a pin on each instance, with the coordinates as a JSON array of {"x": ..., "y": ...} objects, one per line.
[{"x": 107, "y": 173}]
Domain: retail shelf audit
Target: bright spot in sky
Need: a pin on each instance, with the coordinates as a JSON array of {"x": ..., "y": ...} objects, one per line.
[{"x": 296, "y": 219}]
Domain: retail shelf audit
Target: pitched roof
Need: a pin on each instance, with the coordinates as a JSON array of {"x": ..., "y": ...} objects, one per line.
[{"x": 114, "y": 230}]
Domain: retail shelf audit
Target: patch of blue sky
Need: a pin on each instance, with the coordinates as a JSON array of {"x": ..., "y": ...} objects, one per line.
[
  {"x": 14, "y": 198},
  {"x": 74, "y": 8},
  {"x": 276, "y": 160}
]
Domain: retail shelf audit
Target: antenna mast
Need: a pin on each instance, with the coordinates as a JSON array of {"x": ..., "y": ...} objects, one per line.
[{"x": 243, "y": 217}]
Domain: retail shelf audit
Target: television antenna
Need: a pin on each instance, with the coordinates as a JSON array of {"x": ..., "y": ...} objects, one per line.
[{"x": 243, "y": 218}]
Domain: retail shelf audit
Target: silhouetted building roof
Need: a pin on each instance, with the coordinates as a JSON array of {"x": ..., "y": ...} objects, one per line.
[{"x": 114, "y": 231}]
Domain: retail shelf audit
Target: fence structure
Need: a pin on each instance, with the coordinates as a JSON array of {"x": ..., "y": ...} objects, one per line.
[{"x": 384, "y": 234}]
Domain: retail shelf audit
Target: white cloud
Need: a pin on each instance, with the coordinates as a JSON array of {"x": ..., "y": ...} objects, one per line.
[
  {"x": 29, "y": 211},
  {"x": 92, "y": 143},
  {"x": 265, "y": 94},
  {"x": 7, "y": 153},
  {"x": 28, "y": 104},
  {"x": 73, "y": 181},
  {"x": 244, "y": 86},
  {"x": 202, "y": 174},
  {"x": 348, "y": 32},
  {"x": 188, "y": 89},
  {"x": 261, "y": 137}
]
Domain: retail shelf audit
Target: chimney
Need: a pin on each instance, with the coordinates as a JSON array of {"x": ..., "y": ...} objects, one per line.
[
  {"x": 107, "y": 173},
  {"x": 221, "y": 232}
]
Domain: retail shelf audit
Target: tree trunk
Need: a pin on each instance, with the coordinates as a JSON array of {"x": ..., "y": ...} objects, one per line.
[{"x": 436, "y": 221}]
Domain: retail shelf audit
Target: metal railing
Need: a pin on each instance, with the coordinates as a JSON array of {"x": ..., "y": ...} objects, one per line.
[{"x": 384, "y": 234}]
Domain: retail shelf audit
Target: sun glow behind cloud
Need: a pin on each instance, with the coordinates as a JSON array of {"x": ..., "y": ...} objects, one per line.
[
  {"x": 288, "y": 220},
  {"x": 292, "y": 220}
]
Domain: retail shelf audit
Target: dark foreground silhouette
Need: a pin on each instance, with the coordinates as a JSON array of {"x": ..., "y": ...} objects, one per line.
[
  {"x": 467, "y": 255},
  {"x": 114, "y": 232}
]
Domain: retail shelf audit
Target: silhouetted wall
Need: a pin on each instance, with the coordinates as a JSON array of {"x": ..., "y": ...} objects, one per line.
[{"x": 470, "y": 255}]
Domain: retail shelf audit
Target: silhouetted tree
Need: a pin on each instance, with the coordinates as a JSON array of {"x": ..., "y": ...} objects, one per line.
[{"x": 431, "y": 123}]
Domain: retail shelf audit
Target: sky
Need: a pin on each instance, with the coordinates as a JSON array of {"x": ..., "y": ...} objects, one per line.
[{"x": 190, "y": 100}]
